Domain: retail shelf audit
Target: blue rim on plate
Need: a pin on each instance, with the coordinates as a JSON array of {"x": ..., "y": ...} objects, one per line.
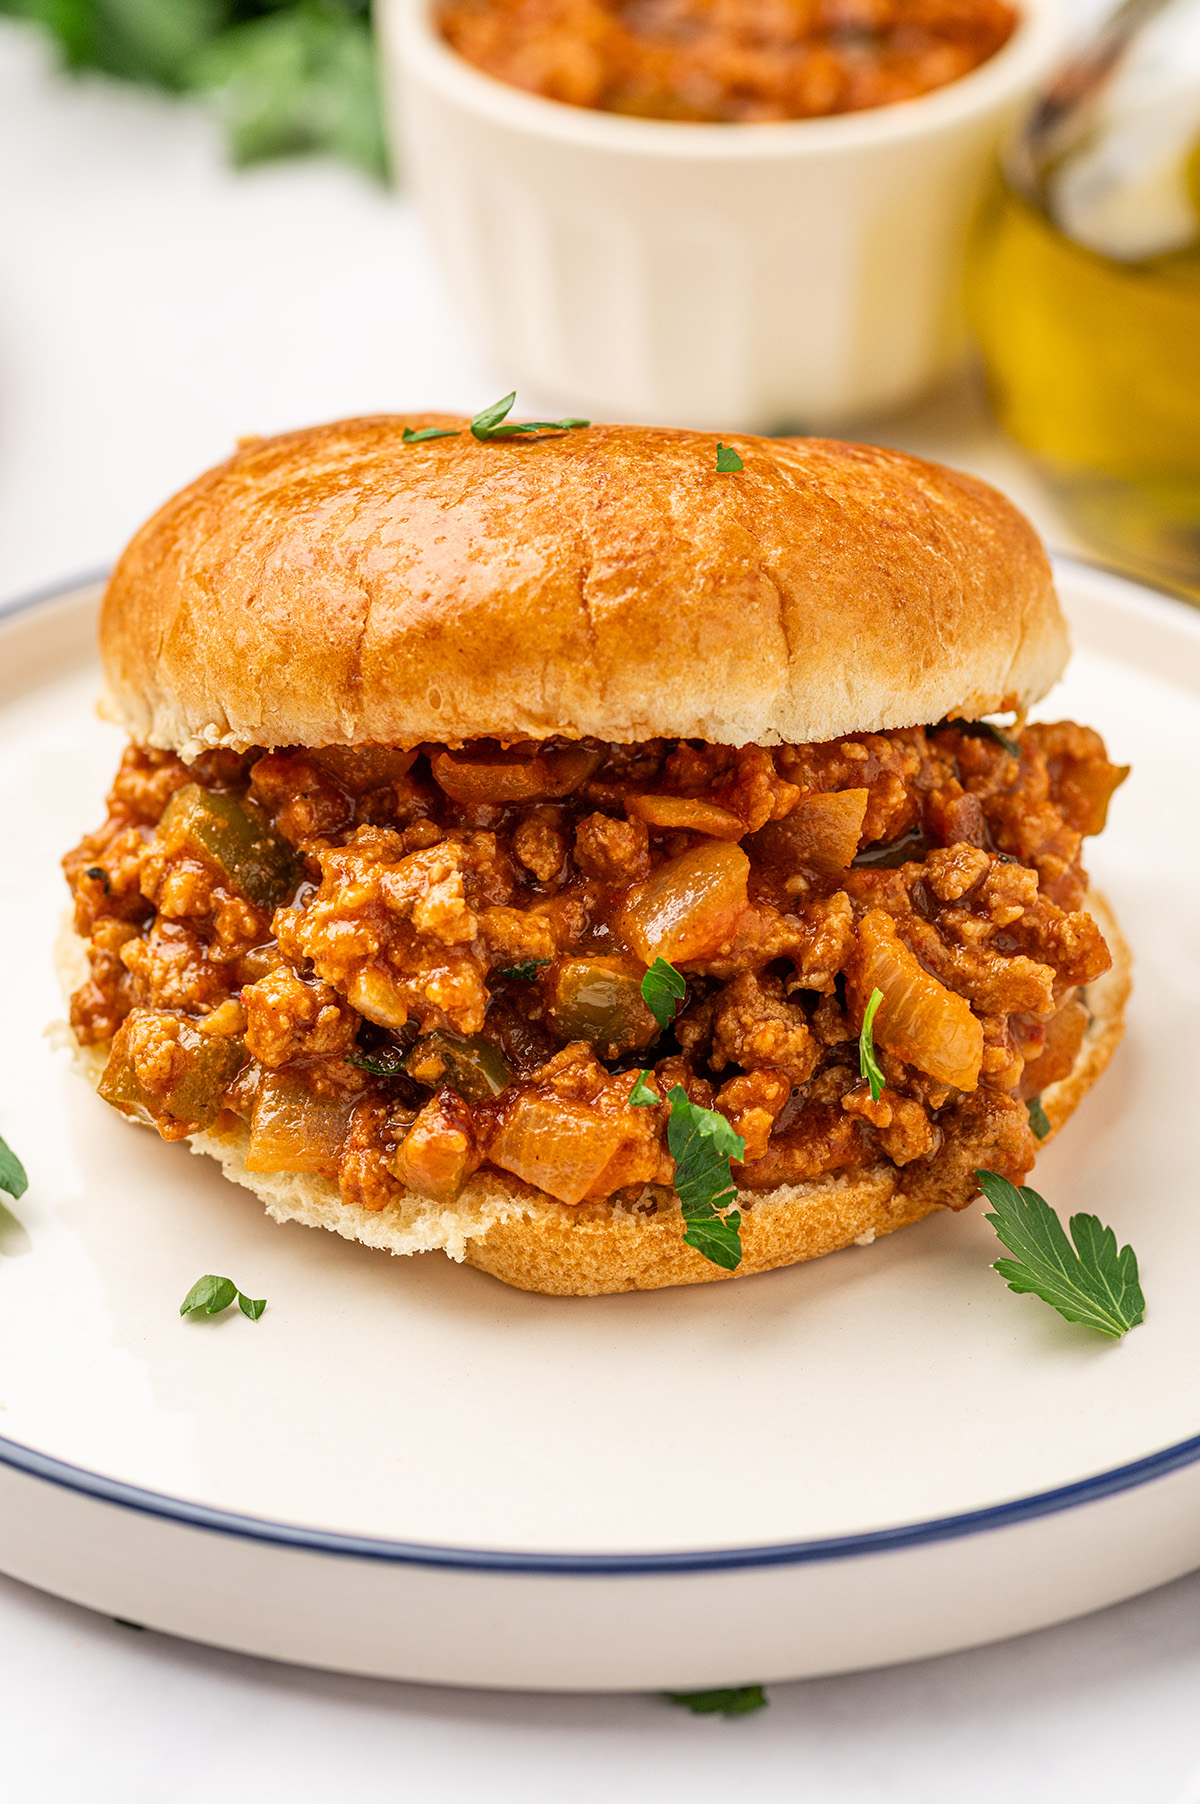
[{"x": 718, "y": 1559}]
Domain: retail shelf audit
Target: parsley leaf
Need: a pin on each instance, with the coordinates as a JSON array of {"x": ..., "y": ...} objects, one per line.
[
  {"x": 387, "y": 1062},
  {"x": 526, "y": 971},
  {"x": 492, "y": 422},
  {"x": 212, "y": 1295},
  {"x": 663, "y": 989},
  {"x": 983, "y": 729},
  {"x": 1090, "y": 1283},
  {"x": 738, "y": 1700},
  {"x": 1039, "y": 1121},
  {"x": 868, "y": 1064},
  {"x": 409, "y": 437},
  {"x": 12, "y": 1173},
  {"x": 702, "y": 1143},
  {"x": 642, "y": 1096},
  {"x": 728, "y": 461}
]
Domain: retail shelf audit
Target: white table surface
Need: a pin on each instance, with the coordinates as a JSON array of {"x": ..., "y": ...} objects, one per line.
[{"x": 153, "y": 306}]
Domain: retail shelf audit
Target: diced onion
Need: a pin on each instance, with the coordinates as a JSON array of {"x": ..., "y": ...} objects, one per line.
[
  {"x": 562, "y": 1147},
  {"x": 683, "y": 814},
  {"x": 821, "y": 832},
  {"x": 505, "y": 778},
  {"x": 919, "y": 1019},
  {"x": 293, "y": 1129},
  {"x": 690, "y": 907}
]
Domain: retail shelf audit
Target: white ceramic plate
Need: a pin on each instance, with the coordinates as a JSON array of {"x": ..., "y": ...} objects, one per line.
[{"x": 406, "y": 1468}]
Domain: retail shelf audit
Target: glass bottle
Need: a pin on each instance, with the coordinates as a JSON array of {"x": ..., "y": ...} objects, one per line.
[{"x": 1085, "y": 289}]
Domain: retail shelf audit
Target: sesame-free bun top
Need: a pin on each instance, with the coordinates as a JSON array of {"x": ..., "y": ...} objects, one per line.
[{"x": 338, "y": 586}]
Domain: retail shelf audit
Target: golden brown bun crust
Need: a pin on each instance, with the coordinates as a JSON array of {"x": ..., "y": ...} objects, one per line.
[
  {"x": 533, "y": 1243},
  {"x": 338, "y": 586}
]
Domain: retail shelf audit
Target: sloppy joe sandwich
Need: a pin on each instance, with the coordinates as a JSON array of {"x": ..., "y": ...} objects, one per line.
[{"x": 590, "y": 855}]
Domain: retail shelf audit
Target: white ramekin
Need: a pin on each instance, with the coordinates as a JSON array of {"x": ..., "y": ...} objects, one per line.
[{"x": 805, "y": 274}]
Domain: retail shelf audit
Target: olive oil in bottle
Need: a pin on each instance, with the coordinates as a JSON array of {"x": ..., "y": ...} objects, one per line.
[{"x": 1085, "y": 291}]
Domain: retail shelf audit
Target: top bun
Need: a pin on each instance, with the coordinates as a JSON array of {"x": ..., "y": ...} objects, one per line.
[{"x": 337, "y": 586}]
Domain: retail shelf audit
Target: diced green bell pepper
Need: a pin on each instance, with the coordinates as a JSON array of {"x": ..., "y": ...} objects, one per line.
[
  {"x": 237, "y": 837},
  {"x": 473, "y": 1067},
  {"x": 193, "y": 1098}
]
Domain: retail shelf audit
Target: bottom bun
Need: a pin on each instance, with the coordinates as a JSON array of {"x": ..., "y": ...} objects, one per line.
[{"x": 529, "y": 1240}]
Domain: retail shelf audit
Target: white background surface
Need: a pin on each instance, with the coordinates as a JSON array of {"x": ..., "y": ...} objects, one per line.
[{"x": 153, "y": 306}]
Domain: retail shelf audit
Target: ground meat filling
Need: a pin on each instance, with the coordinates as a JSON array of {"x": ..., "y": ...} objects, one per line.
[
  {"x": 398, "y": 967},
  {"x": 727, "y": 61}
]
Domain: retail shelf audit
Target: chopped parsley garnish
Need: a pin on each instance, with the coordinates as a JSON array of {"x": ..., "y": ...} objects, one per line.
[
  {"x": 492, "y": 422},
  {"x": 1090, "y": 1283},
  {"x": 663, "y": 989},
  {"x": 728, "y": 461},
  {"x": 98, "y": 874},
  {"x": 12, "y": 1172},
  {"x": 983, "y": 729},
  {"x": 212, "y": 1295},
  {"x": 702, "y": 1144},
  {"x": 526, "y": 971},
  {"x": 738, "y": 1700},
  {"x": 386, "y": 1062},
  {"x": 868, "y": 1064},
  {"x": 1039, "y": 1121},
  {"x": 642, "y": 1096}
]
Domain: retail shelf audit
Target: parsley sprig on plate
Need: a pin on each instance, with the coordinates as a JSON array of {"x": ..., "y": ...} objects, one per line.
[
  {"x": 12, "y": 1172},
  {"x": 735, "y": 1700},
  {"x": 211, "y": 1295},
  {"x": 1091, "y": 1282},
  {"x": 702, "y": 1145}
]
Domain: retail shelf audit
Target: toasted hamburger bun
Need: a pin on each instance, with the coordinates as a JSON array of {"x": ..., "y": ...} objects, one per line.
[
  {"x": 532, "y": 1242},
  {"x": 338, "y": 586}
]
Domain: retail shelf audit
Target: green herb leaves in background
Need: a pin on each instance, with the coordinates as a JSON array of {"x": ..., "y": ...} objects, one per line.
[
  {"x": 739, "y": 1700},
  {"x": 492, "y": 422},
  {"x": 1039, "y": 1121},
  {"x": 211, "y": 1295},
  {"x": 286, "y": 77},
  {"x": 868, "y": 1064},
  {"x": 702, "y": 1144},
  {"x": 728, "y": 461},
  {"x": 663, "y": 989},
  {"x": 12, "y": 1172},
  {"x": 1090, "y": 1283}
]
